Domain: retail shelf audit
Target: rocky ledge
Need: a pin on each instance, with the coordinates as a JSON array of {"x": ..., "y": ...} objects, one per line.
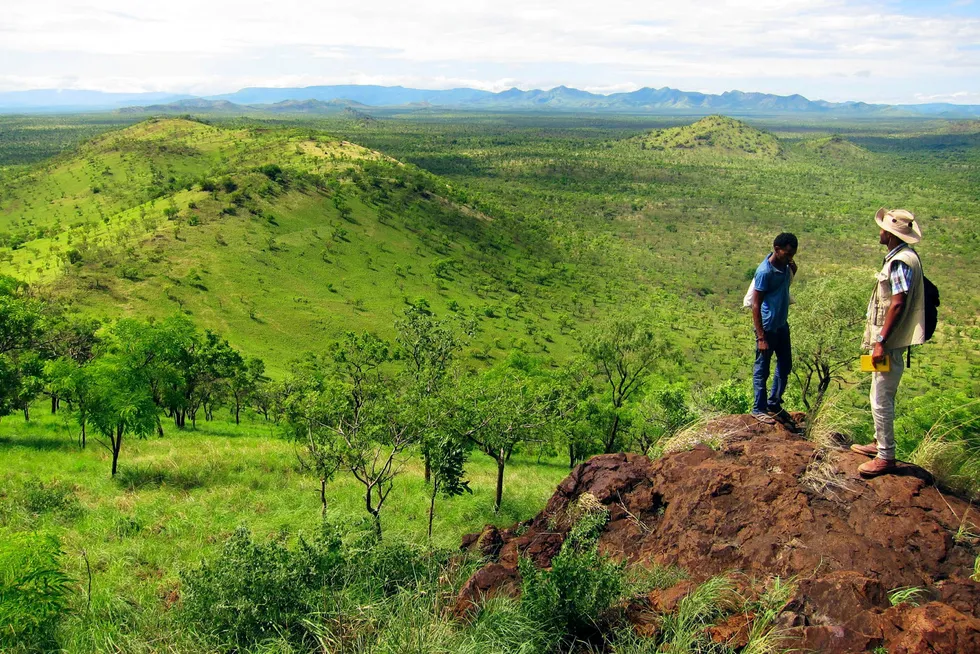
[{"x": 767, "y": 502}]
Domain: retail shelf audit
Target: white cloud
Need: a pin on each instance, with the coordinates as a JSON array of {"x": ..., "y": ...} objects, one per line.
[{"x": 616, "y": 44}]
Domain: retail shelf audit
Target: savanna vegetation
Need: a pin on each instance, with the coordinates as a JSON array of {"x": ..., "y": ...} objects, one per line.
[{"x": 258, "y": 376}]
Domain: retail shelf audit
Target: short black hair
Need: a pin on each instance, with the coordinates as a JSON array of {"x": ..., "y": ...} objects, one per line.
[{"x": 786, "y": 240}]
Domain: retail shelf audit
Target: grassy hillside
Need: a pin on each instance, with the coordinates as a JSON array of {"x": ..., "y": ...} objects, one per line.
[
  {"x": 279, "y": 239},
  {"x": 718, "y": 134}
]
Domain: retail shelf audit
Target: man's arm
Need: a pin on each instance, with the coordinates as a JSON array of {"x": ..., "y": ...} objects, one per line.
[
  {"x": 895, "y": 308},
  {"x": 760, "y": 334}
]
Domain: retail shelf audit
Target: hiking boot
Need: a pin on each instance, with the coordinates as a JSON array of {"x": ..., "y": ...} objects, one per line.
[
  {"x": 866, "y": 450},
  {"x": 876, "y": 466}
]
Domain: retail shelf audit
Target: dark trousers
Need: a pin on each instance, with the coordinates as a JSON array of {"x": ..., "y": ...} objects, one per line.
[{"x": 779, "y": 344}]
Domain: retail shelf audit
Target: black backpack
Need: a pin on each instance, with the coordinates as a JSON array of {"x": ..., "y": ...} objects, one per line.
[{"x": 932, "y": 306}]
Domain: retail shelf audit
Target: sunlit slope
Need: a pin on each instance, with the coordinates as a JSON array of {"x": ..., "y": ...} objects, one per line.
[
  {"x": 836, "y": 148},
  {"x": 714, "y": 134},
  {"x": 280, "y": 240}
]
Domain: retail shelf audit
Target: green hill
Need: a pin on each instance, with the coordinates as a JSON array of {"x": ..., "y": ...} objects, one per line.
[
  {"x": 279, "y": 239},
  {"x": 717, "y": 134},
  {"x": 837, "y": 148}
]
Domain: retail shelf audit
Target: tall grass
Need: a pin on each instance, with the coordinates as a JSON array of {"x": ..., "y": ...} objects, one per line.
[{"x": 952, "y": 460}]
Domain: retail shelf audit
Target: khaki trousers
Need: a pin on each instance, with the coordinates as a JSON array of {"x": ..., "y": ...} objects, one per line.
[{"x": 884, "y": 386}]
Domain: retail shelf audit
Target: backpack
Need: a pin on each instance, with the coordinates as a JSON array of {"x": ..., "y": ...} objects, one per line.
[{"x": 932, "y": 306}]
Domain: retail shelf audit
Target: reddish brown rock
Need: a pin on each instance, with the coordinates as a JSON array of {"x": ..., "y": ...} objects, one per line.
[
  {"x": 933, "y": 628},
  {"x": 488, "y": 542},
  {"x": 665, "y": 601},
  {"x": 489, "y": 581},
  {"x": 734, "y": 631},
  {"x": 746, "y": 507}
]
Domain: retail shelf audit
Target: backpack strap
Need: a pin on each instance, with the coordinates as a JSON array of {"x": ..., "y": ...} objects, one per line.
[{"x": 908, "y": 357}]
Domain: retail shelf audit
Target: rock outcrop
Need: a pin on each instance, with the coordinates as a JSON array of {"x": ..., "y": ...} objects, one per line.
[{"x": 765, "y": 503}]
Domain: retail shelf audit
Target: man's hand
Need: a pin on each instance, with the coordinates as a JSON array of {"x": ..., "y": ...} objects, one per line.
[
  {"x": 761, "y": 344},
  {"x": 878, "y": 354},
  {"x": 792, "y": 266}
]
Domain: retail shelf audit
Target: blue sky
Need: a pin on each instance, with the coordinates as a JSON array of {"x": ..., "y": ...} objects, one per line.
[{"x": 876, "y": 51}]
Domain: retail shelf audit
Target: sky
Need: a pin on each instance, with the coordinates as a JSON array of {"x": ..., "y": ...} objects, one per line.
[{"x": 890, "y": 51}]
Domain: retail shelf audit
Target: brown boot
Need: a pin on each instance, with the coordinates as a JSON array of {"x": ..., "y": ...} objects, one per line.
[
  {"x": 876, "y": 466},
  {"x": 866, "y": 450}
]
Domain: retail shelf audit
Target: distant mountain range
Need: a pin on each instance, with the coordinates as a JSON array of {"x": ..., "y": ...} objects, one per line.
[{"x": 333, "y": 99}]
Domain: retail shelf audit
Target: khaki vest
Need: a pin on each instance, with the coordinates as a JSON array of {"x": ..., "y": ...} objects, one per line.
[{"x": 911, "y": 326}]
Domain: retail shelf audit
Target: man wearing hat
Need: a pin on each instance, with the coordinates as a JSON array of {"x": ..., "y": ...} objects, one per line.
[{"x": 896, "y": 320}]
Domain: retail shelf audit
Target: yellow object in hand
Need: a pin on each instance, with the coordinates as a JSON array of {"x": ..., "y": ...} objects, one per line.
[{"x": 868, "y": 365}]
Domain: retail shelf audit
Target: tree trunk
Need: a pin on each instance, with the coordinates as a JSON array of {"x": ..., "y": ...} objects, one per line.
[
  {"x": 323, "y": 496},
  {"x": 116, "y": 446},
  {"x": 82, "y": 422},
  {"x": 428, "y": 467},
  {"x": 54, "y": 404},
  {"x": 159, "y": 427},
  {"x": 571, "y": 455},
  {"x": 27, "y": 413},
  {"x": 611, "y": 439},
  {"x": 375, "y": 513},
  {"x": 238, "y": 410},
  {"x": 501, "y": 462},
  {"x": 432, "y": 508}
]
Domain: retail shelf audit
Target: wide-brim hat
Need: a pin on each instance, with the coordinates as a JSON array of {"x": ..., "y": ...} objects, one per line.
[{"x": 899, "y": 222}]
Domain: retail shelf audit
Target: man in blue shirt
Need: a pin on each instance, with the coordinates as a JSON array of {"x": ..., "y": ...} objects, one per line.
[{"x": 770, "y": 310}]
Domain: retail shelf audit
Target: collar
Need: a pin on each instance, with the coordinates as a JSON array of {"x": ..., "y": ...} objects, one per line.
[
  {"x": 774, "y": 266},
  {"x": 895, "y": 250}
]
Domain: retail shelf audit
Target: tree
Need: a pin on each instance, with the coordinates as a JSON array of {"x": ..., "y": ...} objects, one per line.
[
  {"x": 360, "y": 414},
  {"x": 120, "y": 392},
  {"x": 214, "y": 364},
  {"x": 244, "y": 382},
  {"x": 624, "y": 350},
  {"x": 827, "y": 319},
  {"x": 429, "y": 345},
  {"x": 661, "y": 414},
  {"x": 448, "y": 469},
  {"x": 309, "y": 415},
  {"x": 503, "y": 407},
  {"x": 71, "y": 340},
  {"x": 71, "y": 381},
  {"x": 22, "y": 325}
]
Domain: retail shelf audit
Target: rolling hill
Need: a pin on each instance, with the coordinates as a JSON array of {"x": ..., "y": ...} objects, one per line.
[
  {"x": 717, "y": 134},
  {"x": 279, "y": 239},
  {"x": 836, "y": 148}
]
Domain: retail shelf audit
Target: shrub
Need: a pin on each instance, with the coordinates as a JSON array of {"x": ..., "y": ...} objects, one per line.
[
  {"x": 253, "y": 591},
  {"x": 55, "y": 497},
  {"x": 33, "y": 590},
  {"x": 730, "y": 397},
  {"x": 571, "y": 601}
]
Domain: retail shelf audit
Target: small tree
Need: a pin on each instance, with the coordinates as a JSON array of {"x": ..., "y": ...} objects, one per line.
[
  {"x": 359, "y": 414},
  {"x": 22, "y": 325},
  {"x": 661, "y": 414},
  {"x": 624, "y": 350},
  {"x": 244, "y": 382},
  {"x": 119, "y": 393},
  {"x": 448, "y": 469},
  {"x": 309, "y": 412},
  {"x": 501, "y": 408},
  {"x": 826, "y": 319},
  {"x": 71, "y": 381},
  {"x": 430, "y": 346}
]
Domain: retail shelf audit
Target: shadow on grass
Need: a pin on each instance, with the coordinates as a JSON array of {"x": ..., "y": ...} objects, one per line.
[{"x": 37, "y": 443}]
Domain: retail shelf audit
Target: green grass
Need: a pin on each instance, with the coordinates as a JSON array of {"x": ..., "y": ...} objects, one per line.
[{"x": 177, "y": 498}]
